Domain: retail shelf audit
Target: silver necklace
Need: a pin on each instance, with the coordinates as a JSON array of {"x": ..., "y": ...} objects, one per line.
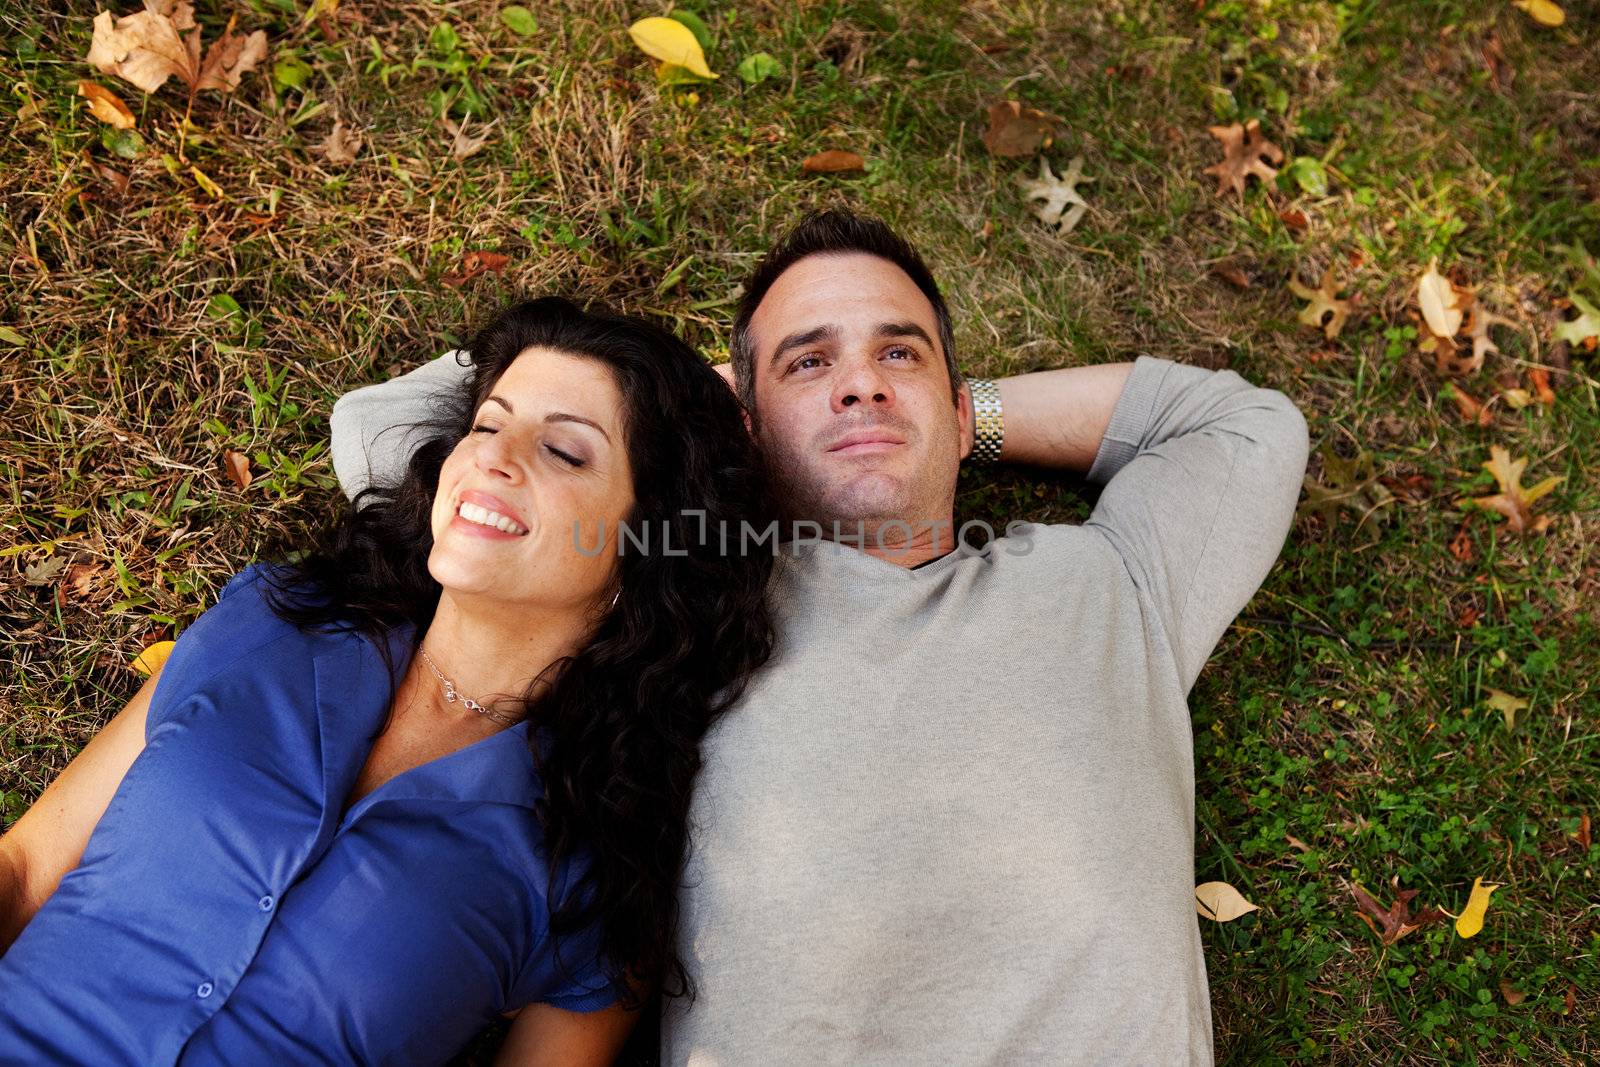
[{"x": 451, "y": 695}]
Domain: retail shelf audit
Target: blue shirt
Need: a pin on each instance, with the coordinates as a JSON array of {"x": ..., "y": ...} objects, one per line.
[{"x": 225, "y": 913}]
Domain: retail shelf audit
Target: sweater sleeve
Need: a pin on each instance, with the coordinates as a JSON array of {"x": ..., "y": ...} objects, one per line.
[
  {"x": 1201, "y": 473},
  {"x": 377, "y": 427}
]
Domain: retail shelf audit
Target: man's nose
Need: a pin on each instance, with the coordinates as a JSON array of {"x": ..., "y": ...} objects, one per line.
[{"x": 862, "y": 381}]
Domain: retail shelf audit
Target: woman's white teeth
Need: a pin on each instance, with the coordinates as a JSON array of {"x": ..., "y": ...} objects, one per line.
[{"x": 484, "y": 517}]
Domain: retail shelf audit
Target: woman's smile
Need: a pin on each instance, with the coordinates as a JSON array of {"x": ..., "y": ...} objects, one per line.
[{"x": 488, "y": 516}]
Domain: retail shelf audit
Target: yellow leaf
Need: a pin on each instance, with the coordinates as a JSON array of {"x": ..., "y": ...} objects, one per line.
[
  {"x": 1506, "y": 705},
  {"x": 1325, "y": 304},
  {"x": 1470, "y": 920},
  {"x": 204, "y": 182},
  {"x": 150, "y": 660},
  {"x": 1543, "y": 12},
  {"x": 106, "y": 105},
  {"x": 671, "y": 42},
  {"x": 1441, "y": 305},
  {"x": 1513, "y": 501},
  {"x": 1221, "y": 902}
]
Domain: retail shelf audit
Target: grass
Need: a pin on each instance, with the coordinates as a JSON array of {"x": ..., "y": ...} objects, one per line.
[{"x": 161, "y": 326}]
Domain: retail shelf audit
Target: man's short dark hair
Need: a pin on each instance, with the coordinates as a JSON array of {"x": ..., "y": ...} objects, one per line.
[{"x": 832, "y": 232}]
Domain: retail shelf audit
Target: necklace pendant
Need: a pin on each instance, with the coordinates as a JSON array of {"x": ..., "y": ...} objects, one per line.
[{"x": 450, "y": 695}]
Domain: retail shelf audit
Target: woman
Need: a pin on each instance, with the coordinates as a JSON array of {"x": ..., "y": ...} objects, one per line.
[{"x": 301, "y": 843}]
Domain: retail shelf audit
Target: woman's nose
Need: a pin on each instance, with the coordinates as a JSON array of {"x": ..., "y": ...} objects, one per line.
[{"x": 498, "y": 457}]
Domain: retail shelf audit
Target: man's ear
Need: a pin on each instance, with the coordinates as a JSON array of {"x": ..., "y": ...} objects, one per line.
[{"x": 969, "y": 425}]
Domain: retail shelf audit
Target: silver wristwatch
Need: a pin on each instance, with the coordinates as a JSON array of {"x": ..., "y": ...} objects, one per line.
[{"x": 988, "y": 423}]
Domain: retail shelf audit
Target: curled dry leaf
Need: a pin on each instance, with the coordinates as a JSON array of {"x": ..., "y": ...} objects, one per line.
[
  {"x": 1479, "y": 319},
  {"x": 1513, "y": 501},
  {"x": 1472, "y": 410},
  {"x": 238, "y": 468},
  {"x": 1510, "y": 992},
  {"x": 1220, "y": 902},
  {"x": 1440, "y": 302},
  {"x": 45, "y": 571},
  {"x": 1470, "y": 921},
  {"x": 106, "y": 105},
  {"x": 1541, "y": 386},
  {"x": 150, "y": 660},
  {"x": 475, "y": 263},
  {"x": 1245, "y": 152},
  {"x": 1016, "y": 131},
  {"x": 1396, "y": 921},
  {"x": 162, "y": 41},
  {"x": 834, "y": 161},
  {"x": 342, "y": 144},
  {"x": 1325, "y": 311},
  {"x": 1055, "y": 201},
  {"x": 1351, "y": 485}
]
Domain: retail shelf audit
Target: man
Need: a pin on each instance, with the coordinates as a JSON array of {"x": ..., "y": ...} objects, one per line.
[{"x": 953, "y": 821}]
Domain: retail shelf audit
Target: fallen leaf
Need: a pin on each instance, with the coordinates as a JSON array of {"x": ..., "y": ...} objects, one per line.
[
  {"x": 1471, "y": 409},
  {"x": 1479, "y": 319},
  {"x": 1296, "y": 842},
  {"x": 1470, "y": 921},
  {"x": 833, "y": 161},
  {"x": 672, "y": 42},
  {"x": 1396, "y": 921},
  {"x": 1016, "y": 131},
  {"x": 1543, "y": 12},
  {"x": 1220, "y": 902},
  {"x": 1461, "y": 545},
  {"x": 204, "y": 181},
  {"x": 1232, "y": 274},
  {"x": 1348, "y": 485},
  {"x": 1440, "y": 302},
  {"x": 1501, "y": 72},
  {"x": 462, "y": 144},
  {"x": 238, "y": 468},
  {"x": 1055, "y": 201},
  {"x": 1541, "y": 385},
  {"x": 150, "y": 660},
  {"x": 342, "y": 144},
  {"x": 1507, "y": 705},
  {"x": 1513, "y": 997},
  {"x": 83, "y": 579},
  {"x": 162, "y": 41},
  {"x": 475, "y": 263},
  {"x": 1513, "y": 501},
  {"x": 757, "y": 67},
  {"x": 106, "y": 105},
  {"x": 1583, "y": 832},
  {"x": 1294, "y": 219},
  {"x": 1244, "y": 149},
  {"x": 1325, "y": 304},
  {"x": 45, "y": 571},
  {"x": 1584, "y": 329},
  {"x": 519, "y": 20},
  {"x": 1517, "y": 398}
]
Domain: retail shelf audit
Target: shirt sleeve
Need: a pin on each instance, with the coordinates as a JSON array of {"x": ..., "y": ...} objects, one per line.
[
  {"x": 377, "y": 427},
  {"x": 1201, "y": 473}
]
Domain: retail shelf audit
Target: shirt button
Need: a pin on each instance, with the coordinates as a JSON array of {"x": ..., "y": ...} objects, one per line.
[
  {"x": 203, "y": 991},
  {"x": 266, "y": 903}
]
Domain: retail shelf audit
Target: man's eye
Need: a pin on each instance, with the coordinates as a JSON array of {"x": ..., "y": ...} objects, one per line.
[
  {"x": 806, "y": 362},
  {"x": 569, "y": 460},
  {"x": 907, "y": 353}
]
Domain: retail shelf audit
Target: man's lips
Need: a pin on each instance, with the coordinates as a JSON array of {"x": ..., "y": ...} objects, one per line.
[{"x": 863, "y": 441}]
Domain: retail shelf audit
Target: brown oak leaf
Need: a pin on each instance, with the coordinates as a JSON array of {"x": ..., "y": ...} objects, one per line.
[
  {"x": 1015, "y": 130},
  {"x": 1244, "y": 153},
  {"x": 1326, "y": 311},
  {"x": 1396, "y": 921},
  {"x": 833, "y": 161},
  {"x": 1513, "y": 501}
]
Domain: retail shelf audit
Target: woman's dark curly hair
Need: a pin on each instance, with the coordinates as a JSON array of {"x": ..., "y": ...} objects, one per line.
[{"x": 618, "y": 723}]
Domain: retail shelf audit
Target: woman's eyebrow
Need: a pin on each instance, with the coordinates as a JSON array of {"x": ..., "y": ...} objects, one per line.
[{"x": 555, "y": 416}]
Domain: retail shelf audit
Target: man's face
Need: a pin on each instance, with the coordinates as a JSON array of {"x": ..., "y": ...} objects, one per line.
[{"x": 853, "y": 395}]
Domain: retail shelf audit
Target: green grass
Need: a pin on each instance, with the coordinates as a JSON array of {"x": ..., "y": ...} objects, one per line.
[{"x": 163, "y": 326}]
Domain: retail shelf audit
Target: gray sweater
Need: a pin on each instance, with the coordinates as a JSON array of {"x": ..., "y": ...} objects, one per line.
[{"x": 953, "y": 820}]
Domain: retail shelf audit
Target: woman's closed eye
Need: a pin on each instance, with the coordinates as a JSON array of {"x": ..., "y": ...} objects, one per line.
[{"x": 565, "y": 457}]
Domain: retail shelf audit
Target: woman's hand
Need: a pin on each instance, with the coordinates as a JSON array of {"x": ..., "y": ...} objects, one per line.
[{"x": 49, "y": 839}]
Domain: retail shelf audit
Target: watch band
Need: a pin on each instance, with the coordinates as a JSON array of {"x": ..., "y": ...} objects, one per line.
[{"x": 988, "y": 421}]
